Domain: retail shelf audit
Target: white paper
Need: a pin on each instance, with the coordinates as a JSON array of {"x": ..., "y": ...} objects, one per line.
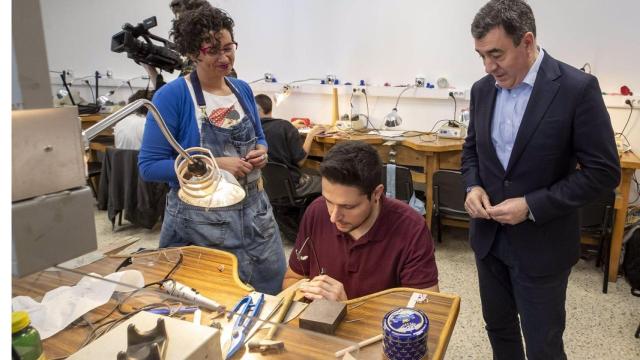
[
  {"x": 63, "y": 305},
  {"x": 80, "y": 261}
]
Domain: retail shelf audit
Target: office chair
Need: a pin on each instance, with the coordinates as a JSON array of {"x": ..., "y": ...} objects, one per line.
[
  {"x": 281, "y": 190},
  {"x": 596, "y": 221},
  {"x": 403, "y": 183},
  {"x": 123, "y": 191},
  {"x": 448, "y": 198}
]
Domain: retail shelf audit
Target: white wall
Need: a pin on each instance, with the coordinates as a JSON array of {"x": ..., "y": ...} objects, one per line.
[{"x": 375, "y": 40}]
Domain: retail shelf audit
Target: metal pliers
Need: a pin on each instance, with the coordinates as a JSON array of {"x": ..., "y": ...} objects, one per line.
[{"x": 246, "y": 311}]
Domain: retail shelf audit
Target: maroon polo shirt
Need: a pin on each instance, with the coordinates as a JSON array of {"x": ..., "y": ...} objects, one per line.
[{"x": 396, "y": 251}]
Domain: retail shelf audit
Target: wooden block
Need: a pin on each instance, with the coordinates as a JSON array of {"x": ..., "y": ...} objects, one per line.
[{"x": 323, "y": 316}]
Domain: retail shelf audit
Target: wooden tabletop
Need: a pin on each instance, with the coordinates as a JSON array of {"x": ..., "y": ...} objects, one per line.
[
  {"x": 214, "y": 274},
  {"x": 629, "y": 160},
  {"x": 427, "y": 143}
]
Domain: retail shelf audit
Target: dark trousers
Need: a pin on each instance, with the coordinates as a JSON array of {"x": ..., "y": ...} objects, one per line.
[{"x": 507, "y": 292}]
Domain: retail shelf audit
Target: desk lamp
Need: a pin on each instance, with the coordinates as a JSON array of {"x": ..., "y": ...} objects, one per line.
[
  {"x": 393, "y": 120},
  {"x": 281, "y": 95},
  {"x": 202, "y": 182}
]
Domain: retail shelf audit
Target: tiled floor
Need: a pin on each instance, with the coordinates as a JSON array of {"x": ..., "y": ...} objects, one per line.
[{"x": 599, "y": 326}]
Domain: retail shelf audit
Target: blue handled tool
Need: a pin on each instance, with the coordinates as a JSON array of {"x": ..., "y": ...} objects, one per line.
[
  {"x": 246, "y": 311},
  {"x": 180, "y": 310}
]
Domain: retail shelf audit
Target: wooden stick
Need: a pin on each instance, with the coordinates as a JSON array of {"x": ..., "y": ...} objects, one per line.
[{"x": 361, "y": 344}]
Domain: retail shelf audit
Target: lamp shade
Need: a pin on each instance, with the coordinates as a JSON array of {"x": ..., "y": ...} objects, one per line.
[
  {"x": 392, "y": 120},
  {"x": 215, "y": 188}
]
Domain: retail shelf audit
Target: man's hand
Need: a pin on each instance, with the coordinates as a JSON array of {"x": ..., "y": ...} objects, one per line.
[
  {"x": 318, "y": 129},
  {"x": 511, "y": 211},
  {"x": 323, "y": 287},
  {"x": 257, "y": 158},
  {"x": 236, "y": 166},
  {"x": 299, "y": 124},
  {"x": 477, "y": 203}
]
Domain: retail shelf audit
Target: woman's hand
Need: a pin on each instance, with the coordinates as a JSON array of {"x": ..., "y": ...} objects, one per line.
[
  {"x": 257, "y": 158},
  {"x": 236, "y": 166}
]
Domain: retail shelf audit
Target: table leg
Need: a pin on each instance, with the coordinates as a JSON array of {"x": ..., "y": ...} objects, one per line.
[
  {"x": 618, "y": 225},
  {"x": 430, "y": 167}
]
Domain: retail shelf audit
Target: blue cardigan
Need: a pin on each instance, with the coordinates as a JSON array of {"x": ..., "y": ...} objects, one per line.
[{"x": 176, "y": 106}]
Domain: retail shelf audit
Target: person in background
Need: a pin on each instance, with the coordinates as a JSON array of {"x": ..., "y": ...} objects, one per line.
[
  {"x": 286, "y": 147},
  {"x": 209, "y": 109},
  {"x": 128, "y": 131},
  {"x": 533, "y": 119},
  {"x": 354, "y": 241}
]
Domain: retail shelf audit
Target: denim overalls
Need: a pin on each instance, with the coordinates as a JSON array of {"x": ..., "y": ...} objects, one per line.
[{"x": 247, "y": 229}]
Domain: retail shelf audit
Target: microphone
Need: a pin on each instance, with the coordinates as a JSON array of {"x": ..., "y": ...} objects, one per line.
[{"x": 182, "y": 291}]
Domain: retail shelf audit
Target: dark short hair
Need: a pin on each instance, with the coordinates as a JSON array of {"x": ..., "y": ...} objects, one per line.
[
  {"x": 353, "y": 163},
  {"x": 141, "y": 94},
  {"x": 194, "y": 27},
  {"x": 265, "y": 103},
  {"x": 179, "y": 6},
  {"x": 515, "y": 17}
]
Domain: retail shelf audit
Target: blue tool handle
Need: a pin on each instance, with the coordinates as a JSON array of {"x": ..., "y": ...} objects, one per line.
[{"x": 180, "y": 310}]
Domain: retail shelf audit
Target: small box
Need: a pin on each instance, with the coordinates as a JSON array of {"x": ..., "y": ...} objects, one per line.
[
  {"x": 323, "y": 316},
  {"x": 185, "y": 340}
]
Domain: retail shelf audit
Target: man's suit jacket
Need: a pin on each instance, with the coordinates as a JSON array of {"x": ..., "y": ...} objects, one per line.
[{"x": 565, "y": 123}]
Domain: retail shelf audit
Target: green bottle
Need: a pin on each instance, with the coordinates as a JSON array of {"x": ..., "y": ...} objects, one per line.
[{"x": 25, "y": 343}]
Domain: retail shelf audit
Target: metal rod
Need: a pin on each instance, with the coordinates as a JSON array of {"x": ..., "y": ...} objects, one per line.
[{"x": 93, "y": 131}]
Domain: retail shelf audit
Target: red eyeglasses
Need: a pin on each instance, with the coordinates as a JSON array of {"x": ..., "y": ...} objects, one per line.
[{"x": 227, "y": 50}]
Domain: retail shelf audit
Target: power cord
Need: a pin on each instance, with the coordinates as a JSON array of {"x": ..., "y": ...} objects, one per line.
[
  {"x": 455, "y": 105},
  {"x": 584, "y": 68},
  {"x": 628, "y": 102}
]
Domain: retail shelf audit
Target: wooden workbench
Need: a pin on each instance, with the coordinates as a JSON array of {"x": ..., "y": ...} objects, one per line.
[{"x": 214, "y": 274}]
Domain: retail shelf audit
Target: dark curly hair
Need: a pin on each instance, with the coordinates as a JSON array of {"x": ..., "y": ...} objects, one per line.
[
  {"x": 180, "y": 6},
  {"x": 194, "y": 27}
]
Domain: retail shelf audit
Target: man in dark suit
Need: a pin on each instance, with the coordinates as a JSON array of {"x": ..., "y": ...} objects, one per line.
[{"x": 533, "y": 120}]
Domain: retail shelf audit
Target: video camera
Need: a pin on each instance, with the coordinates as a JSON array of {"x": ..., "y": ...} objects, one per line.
[{"x": 163, "y": 57}]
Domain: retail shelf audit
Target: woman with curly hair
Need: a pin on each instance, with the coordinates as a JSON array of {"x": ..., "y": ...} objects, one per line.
[{"x": 208, "y": 108}]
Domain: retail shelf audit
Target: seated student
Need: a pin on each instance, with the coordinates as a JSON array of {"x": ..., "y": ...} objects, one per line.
[
  {"x": 128, "y": 132},
  {"x": 286, "y": 146},
  {"x": 354, "y": 241}
]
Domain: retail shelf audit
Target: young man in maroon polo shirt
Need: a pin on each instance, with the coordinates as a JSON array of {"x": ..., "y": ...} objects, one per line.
[{"x": 354, "y": 241}]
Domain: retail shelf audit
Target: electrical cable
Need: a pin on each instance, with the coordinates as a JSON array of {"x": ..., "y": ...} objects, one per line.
[
  {"x": 434, "y": 125},
  {"x": 303, "y": 80},
  {"x": 628, "y": 102},
  {"x": 63, "y": 76},
  {"x": 455, "y": 105},
  {"x": 93, "y": 95},
  {"x": 402, "y": 92}
]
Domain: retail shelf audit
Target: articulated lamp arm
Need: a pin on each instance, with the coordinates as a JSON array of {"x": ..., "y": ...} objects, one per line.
[
  {"x": 196, "y": 166},
  {"x": 202, "y": 182}
]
